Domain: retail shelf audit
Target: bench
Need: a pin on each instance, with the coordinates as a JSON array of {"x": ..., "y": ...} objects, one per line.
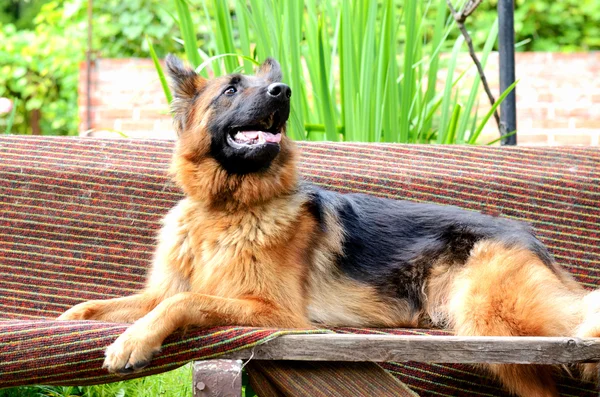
[{"x": 78, "y": 218}]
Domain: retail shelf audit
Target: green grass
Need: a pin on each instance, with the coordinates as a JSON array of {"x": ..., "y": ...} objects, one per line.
[{"x": 176, "y": 383}]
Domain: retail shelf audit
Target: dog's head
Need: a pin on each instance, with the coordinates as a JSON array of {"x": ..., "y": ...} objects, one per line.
[{"x": 233, "y": 126}]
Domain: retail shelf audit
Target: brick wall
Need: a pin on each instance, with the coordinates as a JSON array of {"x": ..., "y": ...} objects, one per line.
[
  {"x": 126, "y": 97},
  {"x": 558, "y": 99}
]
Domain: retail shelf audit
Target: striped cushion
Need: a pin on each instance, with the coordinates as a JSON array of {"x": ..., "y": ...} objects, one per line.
[{"x": 78, "y": 218}]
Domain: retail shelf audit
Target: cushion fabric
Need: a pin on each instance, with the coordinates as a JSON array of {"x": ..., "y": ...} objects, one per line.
[{"x": 78, "y": 219}]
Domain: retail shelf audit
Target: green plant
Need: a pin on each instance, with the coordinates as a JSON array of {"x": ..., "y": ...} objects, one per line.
[
  {"x": 540, "y": 25},
  {"x": 176, "y": 383},
  {"x": 40, "y": 63},
  {"x": 361, "y": 70},
  {"x": 40, "y": 69}
]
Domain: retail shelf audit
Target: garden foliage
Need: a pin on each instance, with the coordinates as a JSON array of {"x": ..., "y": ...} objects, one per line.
[
  {"x": 360, "y": 70},
  {"x": 42, "y": 44}
]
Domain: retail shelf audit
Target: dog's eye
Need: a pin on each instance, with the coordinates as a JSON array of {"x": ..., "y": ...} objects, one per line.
[{"x": 230, "y": 91}]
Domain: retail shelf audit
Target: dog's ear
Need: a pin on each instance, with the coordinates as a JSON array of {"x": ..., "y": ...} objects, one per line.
[
  {"x": 185, "y": 85},
  {"x": 270, "y": 70},
  {"x": 185, "y": 82}
]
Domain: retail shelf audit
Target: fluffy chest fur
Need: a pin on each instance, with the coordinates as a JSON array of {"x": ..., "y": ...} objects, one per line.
[{"x": 262, "y": 252}]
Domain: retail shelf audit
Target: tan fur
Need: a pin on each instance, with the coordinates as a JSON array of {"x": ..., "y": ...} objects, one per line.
[{"x": 504, "y": 291}]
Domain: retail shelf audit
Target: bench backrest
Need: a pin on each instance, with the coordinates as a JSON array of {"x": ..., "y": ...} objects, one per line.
[{"x": 78, "y": 216}]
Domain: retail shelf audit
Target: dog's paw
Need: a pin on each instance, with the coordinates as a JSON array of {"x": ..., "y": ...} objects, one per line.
[
  {"x": 131, "y": 352},
  {"x": 83, "y": 311}
]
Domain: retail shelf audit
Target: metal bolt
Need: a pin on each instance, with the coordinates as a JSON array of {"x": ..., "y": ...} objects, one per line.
[{"x": 200, "y": 385}]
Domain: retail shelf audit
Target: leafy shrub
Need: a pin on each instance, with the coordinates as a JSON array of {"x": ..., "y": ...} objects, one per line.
[
  {"x": 40, "y": 65},
  {"x": 39, "y": 68},
  {"x": 542, "y": 25}
]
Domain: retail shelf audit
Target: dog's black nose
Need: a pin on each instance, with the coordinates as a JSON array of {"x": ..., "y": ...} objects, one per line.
[{"x": 279, "y": 90}]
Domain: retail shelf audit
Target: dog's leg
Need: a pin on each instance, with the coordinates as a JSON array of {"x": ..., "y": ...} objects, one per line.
[
  {"x": 119, "y": 310},
  {"x": 135, "y": 347},
  {"x": 509, "y": 292}
]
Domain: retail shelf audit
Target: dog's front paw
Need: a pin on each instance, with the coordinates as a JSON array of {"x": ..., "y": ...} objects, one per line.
[
  {"x": 83, "y": 311},
  {"x": 131, "y": 352}
]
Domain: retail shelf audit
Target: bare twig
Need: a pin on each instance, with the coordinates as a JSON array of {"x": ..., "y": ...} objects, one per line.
[{"x": 460, "y": 18}]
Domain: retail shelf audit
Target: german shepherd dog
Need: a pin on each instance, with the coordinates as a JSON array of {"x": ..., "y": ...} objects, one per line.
[{"x": 252, "y": 245}]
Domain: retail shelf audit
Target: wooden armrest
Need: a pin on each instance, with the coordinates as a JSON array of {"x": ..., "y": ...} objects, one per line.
[{"x": 432, "y": 349}]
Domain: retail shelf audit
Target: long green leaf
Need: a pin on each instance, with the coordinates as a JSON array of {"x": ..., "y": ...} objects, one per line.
[
  {"x": 408, "y": 84},
  {"x": 475, "y": 89},
  {"x": 432, "y": 75},
  {"x": 501, "y": 138},
  {"x": 451, "y": 133},
  {"x": 328, "y": 113},
  {"x": 448, "y": 90},
  {"x": 244, "y": 33},
  {"x": 473, "y": 138},
  {"x": 159, "y": 70},
  {"x": 188, "y": 32},
  {"x": 210, "y": 60},
  {"x": 224, "y": 33}
]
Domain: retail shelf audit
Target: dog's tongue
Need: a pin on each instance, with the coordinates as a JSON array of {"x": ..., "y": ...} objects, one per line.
[{"x": 260, "y": 135}]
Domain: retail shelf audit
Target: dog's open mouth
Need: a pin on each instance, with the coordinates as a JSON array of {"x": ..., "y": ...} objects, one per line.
[{"x": 265, "y": 132}]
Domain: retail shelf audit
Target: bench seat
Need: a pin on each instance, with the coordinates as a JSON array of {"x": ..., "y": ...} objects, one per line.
[{"x": 78, "y": 218}]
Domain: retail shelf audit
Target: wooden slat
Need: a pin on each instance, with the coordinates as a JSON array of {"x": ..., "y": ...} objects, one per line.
[{"x": 434, "y": 349}]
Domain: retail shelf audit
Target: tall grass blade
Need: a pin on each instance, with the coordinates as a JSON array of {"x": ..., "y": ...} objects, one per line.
[
  {"x": 408, "y": 84},
  {"x": 293, "y": 20},
  {"x": 367, "y": 73},
  {"x": 434, "y": 60},
  {"x": 473, "y": 138},
  {"x": 159, "y": 70},
  {"x": 451, "y": 133},
  {"x": 186, "y": 27},
  {"x": 224, "y": 33},
  {"x": 244, "y": 33},
  {"x": 476, "y": 88},
  {"x": 448, "y": 90},
  {"x": 348, "y": 73},
  {"x": 500, "y": 138},
  {"x": 328, "y": 112}
]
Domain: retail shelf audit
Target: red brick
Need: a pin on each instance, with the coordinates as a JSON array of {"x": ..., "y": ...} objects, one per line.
[
  {"x": 590, "y": 123},
  {"x": 523, "y": 139},
  {"x": 129, "y": 125},
  {"x": 573, "y": 139},
  {"x": 574, "y": 112},
  {"x": 154, "y": 113},
  {"x": 549, "y": 124},
  {"x": 111, "y": 114},
  {"x": 101, "y": 124}
]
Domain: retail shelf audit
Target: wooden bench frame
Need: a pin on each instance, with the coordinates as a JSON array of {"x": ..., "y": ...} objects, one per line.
[{"x": 399, "y": 348}]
